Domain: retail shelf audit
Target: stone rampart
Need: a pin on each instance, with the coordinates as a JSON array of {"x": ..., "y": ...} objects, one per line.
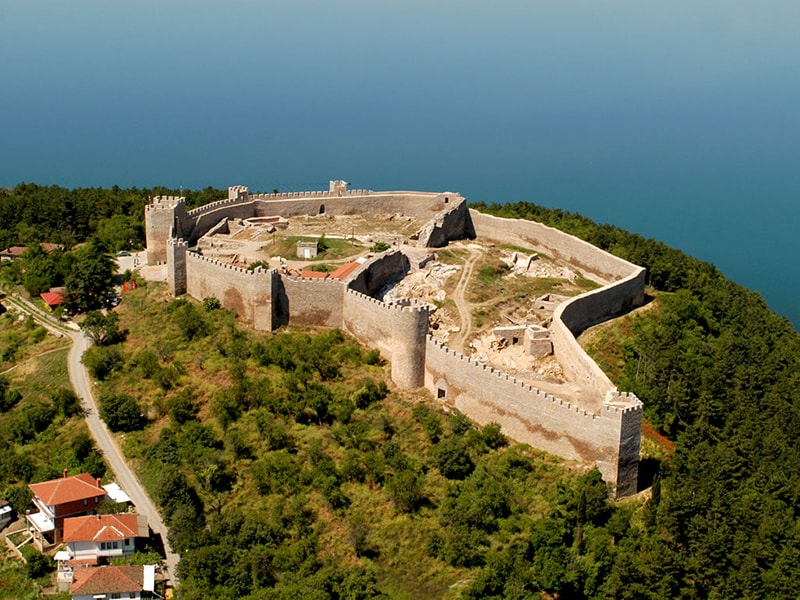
[
  {"x": 377, "y": 271},
  {"x": 200, "y": 224},
  {"x": 451, "y": 224},
  {"x": 576, "y": 314},
  {"x": 623, "y": 290},
  {"x": 177, "y": 249},
  {"x": 534, "y": 417},
  {"x": 310, "y": 302},
  {"x": 398, "y": 331},
  {"x": 554, "y": 243},
  {"x": 249, "y": 293}
]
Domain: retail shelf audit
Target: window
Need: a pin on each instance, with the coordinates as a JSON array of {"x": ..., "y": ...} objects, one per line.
[
  {"x": 440, "y": 393},
  {"x": 86, "y": 502},
  {"x": 113, "y": 595}
]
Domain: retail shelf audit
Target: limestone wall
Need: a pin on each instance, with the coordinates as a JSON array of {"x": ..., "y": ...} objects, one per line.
[
  {"x": 451, "y": 224},
  {"x": 309, "y": 302},
  {"x": 397, "y": 331},
  {"x": 422, "y": 205},
  {"x": 177, "y": 250},
  {"x": 249, "y": 293},
  {"x": 623, "y": 290},
  {"x": 575, "y": 315},
  {"x": 377, "y": 271},
  {"x": 554, "y": 243},
  {"x": 530, "y": 416},
  {"x": 202, "y": 221}
]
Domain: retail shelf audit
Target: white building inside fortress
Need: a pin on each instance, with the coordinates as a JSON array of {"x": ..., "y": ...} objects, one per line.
[{"x": 608, "y": 438}]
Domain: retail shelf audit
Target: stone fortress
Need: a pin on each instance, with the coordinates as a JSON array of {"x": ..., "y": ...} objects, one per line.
[{"x": 268, "y": 298}]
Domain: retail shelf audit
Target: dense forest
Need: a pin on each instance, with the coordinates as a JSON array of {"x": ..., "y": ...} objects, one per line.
[
  {"x": 31, "y": 213},
  {"x": 719, "y": 374},
  {"x": 287, "y": 465}
]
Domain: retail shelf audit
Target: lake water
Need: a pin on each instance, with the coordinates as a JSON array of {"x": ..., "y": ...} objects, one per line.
[{"x": 674, "y": 119}]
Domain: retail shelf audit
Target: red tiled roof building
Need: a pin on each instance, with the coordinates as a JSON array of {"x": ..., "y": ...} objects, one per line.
[{"x": 58, "y": 499}]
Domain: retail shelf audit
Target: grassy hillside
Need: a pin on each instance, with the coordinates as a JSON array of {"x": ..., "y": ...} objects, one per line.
[{"x": 286, "y": 463}]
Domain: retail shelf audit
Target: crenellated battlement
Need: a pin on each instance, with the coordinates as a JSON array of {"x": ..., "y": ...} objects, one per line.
[
  {"x": 524, "y": 387},
  {"x": 608, "y": 437},
  {"x": 622, "y": 402},
  {"x": 416, "y": 307},
  {"x": 314, "y": 194},
  {"x": 223, "y": 265},
  {"x": 212, "y": 206}
]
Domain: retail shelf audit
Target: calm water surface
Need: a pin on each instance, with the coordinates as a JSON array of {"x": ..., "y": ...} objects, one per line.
[{"x": 677, "y": 120}]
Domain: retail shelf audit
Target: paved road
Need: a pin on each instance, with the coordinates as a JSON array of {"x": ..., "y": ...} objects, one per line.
[
  {"x": 111, "y": 452},
  {"x": 125, "y": 477}
]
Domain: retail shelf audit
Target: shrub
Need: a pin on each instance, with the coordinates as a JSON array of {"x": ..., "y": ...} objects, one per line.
[
  {"x": 453, "y": 459},
  {"x": 121, "y": 412},
  {"x": 101, "y": 361},
  {"x": 37, "y": 563},
  {"x": 211, "y": 303}
]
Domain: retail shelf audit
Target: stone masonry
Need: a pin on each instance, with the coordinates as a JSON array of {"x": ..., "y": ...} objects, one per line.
[{"x": 269, "y": 299}]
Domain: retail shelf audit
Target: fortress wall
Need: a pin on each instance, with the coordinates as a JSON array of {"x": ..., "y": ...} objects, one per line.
[
  {"x": 576, "y": 314},
  {"x": 203, "y": 221},
  {"x": 176, "y": 266},
  {"x": 249, "y": 293},
  {"x": 309, "y": 302},
  {"x": 423, "y": 205},
  {"x": 531, "y": 416},
  {"x": 453, "y": 223},
  {"x": 397, "y": 331},
  {"x": 554, "y": 243},
  {"x": 570, "y": 318},
  {"x": 383, "y": 267}
]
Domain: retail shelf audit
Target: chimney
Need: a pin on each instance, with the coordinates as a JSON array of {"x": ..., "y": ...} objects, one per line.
[
  {"x": 65, "y": 473},
  {"x": 98, "y": 482}
]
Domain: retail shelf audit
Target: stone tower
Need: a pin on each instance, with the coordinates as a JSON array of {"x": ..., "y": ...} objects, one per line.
[{"x": 164, "y": 217}]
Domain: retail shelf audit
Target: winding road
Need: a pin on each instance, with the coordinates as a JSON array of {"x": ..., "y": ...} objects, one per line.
[{"x": 82, "y": 385}]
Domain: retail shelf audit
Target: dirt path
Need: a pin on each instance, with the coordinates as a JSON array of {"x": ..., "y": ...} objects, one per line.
[{"x": 464, "y": 307}]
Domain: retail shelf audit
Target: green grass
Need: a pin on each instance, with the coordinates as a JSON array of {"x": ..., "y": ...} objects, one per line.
[
  {"x": 43, "y": 374},
  {"x": 329, "y": 248}
]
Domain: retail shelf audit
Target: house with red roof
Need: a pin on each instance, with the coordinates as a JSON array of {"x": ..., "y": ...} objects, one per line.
[
  {"x": 96, "y": 539},
  {"x": 346, "y": 269},
  {"x": 309, "y": 274},
  {"x": 58, "y": 499},
  {"x": 52, "y": 298},
  {"x": 113, "y": 582}
]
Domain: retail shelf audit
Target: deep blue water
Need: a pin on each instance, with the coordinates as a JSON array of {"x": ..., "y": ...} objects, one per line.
[{"x": 678, "y": 120}]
